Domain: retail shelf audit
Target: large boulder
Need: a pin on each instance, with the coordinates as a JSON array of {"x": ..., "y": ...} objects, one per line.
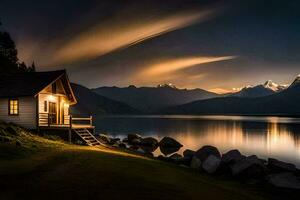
[
  {"x": 167, "y": 150},
  {"x": 179, "y": 159},
  {"x": 228, "y": 159},
  {"x": 169, "y": 145},
  {"x": 136, "y": 141},
  {"x": 276, "y": 166},
  {"x": 211, "y": 164},
  {"x": 149, "y": 141},
  {"x": 188, "y": 154},
  {"x": 206, "y": 151},
  {"x": 140, "y": 150},
  {"x": 131, "y": 137},
  {"x": 232, "y": 157},
  {"x": 195, "y": 163},
  {"x": 284, "y": 180},
  {"x": 169, "y": 142},
  {"x": 148, "y": 144},
  {"x": 249, "y": 167}
]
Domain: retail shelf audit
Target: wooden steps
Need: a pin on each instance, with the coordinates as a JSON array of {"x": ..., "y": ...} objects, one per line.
[{"x": 87, "y": 136}]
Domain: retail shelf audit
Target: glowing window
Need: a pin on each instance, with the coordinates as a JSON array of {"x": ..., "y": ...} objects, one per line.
[{"x": 13, "y": 107}]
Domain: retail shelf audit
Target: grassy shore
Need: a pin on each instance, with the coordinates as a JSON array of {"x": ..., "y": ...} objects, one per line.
[{"x": 41, "y": 168}]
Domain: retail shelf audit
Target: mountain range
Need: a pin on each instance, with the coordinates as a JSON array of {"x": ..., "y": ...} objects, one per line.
[
  {"x": 152, "y": 99},
  {"x": 267, "y": 98},
  {"x": 284, "y": 102},
  {"x": 90, "y": 103},
  {"x": 268, "y": 88}
]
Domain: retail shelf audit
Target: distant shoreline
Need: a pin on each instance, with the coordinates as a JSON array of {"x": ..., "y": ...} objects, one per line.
[{"x": 200, "y": 115}]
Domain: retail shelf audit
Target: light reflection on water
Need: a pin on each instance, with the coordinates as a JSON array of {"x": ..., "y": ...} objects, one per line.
[{"x": 277, "y": 137}]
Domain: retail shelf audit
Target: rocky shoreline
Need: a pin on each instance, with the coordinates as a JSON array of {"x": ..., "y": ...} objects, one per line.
[{"x": 208, "y": 159}]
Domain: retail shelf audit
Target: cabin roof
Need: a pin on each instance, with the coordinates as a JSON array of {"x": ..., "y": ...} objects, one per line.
[{"x": 28, "y": 83}]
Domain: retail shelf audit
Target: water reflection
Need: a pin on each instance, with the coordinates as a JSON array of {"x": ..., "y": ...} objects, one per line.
[{"x": 264, "y": 136}]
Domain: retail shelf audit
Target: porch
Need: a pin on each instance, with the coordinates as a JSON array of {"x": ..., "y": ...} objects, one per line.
[{"x": 49, "y": 121}]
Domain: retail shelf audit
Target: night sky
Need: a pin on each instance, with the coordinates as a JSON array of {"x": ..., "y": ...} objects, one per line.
[{"x": 214, "y": 45}]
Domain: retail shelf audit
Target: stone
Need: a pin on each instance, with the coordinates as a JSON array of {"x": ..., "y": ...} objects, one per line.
[
  {"x": 168, "y": 142},
  {"x": 140, "y": 150},
  {"x": 276, "y": 166},
  {"x": 169, "y": 145},
  {"x": 228, "y": 159},
  {"x": 232, "y": 156},
  {"x": 149, "y": 141},
  {"x": 188, "y": 153},
  {"x": 131, "y": 137},
  {"x": 249, "y": 167},
  {"x": 135, "y": 141},
  {"x": 179, "y": 159},
  {"x": 206, "y": 151},
  {"x": 195, "y": 163},
  {"x": 211, "y": 164},
  {"x": 175, "y": 156},
  {"x": 284, "y": 180},
  {"x": 167, "y": 150}
]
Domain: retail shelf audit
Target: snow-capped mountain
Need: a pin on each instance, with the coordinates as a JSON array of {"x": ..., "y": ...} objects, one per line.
[
  {"x": 274, "y": 86},
  {"x": 253, "y": 92},
  {"x": 167, "y": 85},
  {"x": 268, "y": 88},
  {"x": 285, "y": 102},
  {"x": 296, "y": 81}
]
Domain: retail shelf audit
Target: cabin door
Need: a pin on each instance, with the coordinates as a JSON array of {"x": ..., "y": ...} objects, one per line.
[{"x": 52, "y": 113}]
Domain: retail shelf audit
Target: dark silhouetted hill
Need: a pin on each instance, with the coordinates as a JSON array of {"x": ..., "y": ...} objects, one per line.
[
  {"x": 151, "y": 99},
  {"x": 90, "y": 103}
]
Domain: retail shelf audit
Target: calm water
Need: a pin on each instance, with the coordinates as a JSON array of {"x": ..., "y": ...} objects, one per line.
[{"x": 277, "y": 137}]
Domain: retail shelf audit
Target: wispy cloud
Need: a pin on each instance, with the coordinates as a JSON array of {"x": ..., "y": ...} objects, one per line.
[
  {"x": 170, "y": 66},
  {"x": 116, "y": 34},
  {"x": 171, "y": 69}
]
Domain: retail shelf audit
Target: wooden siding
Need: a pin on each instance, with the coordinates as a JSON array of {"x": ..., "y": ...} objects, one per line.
[
  {"x": 27, "y": 112},
  {"x": 60, "y": 99}
]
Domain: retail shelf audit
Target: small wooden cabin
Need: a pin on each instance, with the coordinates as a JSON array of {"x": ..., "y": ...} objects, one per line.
[{"x": 40, "y": 100}]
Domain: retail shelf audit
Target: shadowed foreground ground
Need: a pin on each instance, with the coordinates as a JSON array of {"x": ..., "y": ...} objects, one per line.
[
  {"x": 85, "y": 173},
  {"x": 46, "y": 169}
]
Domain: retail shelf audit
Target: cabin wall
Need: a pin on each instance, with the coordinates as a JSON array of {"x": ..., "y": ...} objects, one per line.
[{"x": 27, "y": 112}]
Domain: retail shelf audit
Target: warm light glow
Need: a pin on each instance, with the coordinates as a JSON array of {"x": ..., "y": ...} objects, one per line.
[
  {"x": 118, "y": 33},
  {"x": 181, "y": 63},
  {"x": 220, "y": 90},
  {"x": 51, "y": 98},
  {"x": 169, "y": 69}
]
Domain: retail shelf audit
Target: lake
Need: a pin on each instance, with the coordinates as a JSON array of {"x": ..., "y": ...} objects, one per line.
[{"x": 276, "y": 137}]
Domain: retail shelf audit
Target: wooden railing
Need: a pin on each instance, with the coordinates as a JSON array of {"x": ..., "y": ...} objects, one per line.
[{"x": 48, "y": 119}]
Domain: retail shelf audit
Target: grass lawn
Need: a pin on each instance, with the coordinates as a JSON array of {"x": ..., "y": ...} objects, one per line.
[{"x": 46, "y": 169}]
